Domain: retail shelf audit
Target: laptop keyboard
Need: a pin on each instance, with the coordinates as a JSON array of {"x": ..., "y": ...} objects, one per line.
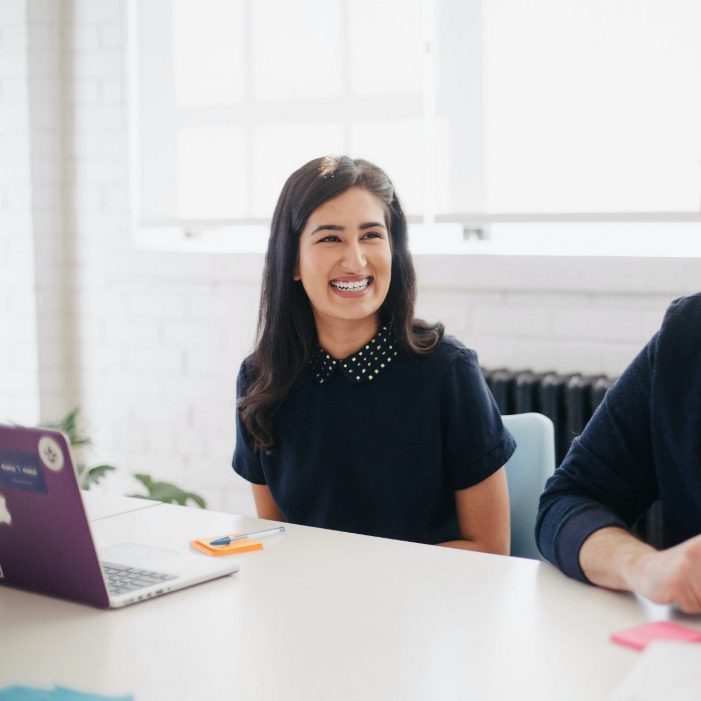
[{"x": 122, "y": 579}]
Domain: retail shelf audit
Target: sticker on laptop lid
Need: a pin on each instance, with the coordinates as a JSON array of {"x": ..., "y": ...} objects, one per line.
[
  {"x": 5, "y": 515},
  {"x": 22, "y": 471},
  {"x": 50, "y": 453}
]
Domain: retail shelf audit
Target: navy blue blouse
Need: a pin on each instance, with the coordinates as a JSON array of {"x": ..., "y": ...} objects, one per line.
[{"x": 379, "y": 442}]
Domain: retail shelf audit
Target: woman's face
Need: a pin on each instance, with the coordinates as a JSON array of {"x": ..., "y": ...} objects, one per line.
[{"x": 345, "y": 259}]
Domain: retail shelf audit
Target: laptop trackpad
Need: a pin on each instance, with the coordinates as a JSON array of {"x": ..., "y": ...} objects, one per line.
[{"x": 136, "y": 555}]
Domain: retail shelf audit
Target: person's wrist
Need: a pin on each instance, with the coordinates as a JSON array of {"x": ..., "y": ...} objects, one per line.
[{"x": 635, "y": 563}]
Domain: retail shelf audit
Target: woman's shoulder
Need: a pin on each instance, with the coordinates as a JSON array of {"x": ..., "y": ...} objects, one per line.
[
  {"x": 460, "y": 360},
  {"x": 453, "y": 344},
  {"x": 248, "y": 372},
  {"x": 450, "y": 347},
  {"x": 450, "y": 353}
]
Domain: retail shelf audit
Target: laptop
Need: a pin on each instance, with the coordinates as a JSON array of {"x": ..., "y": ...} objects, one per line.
[{"x": 46, "y": 544}]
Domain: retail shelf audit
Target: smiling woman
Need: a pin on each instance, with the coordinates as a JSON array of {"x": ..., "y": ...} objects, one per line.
[{"x": 352, "y": 414}]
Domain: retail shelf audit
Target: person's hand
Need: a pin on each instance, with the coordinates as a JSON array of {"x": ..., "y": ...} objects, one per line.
[{"x": 671, "y": 576}]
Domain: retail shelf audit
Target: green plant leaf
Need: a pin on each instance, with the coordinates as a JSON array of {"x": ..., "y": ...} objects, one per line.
[
  {"x": 167, "y": 492},
  {"x": 87, "y": 476},
  {"x": 90, "y": 476},
  {"x": 94, "y": 475},
  {"x": 69, "y": 425}
]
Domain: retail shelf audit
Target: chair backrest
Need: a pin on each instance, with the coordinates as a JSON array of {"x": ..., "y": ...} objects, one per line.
[{"x": 526, "y": 472}]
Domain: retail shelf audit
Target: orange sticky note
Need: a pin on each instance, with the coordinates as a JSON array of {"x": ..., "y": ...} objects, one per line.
[{"x": 234, "y": 548}]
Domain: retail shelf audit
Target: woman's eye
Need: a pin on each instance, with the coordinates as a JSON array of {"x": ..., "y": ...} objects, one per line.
[
  {"x": 372, "y": 235},
  {"x": 329, "y": 239}
]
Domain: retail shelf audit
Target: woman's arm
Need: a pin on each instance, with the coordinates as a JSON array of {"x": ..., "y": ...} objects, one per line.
[
  {"x": 483, "y": 516},
  {"x": 265, "y": 503}
]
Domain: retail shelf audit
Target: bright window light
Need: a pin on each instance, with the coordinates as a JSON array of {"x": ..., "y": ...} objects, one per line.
[{"x": 485, "y": 113}]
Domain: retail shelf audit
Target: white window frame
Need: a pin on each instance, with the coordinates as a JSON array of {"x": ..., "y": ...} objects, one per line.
[{"x": 459, "y": 232}]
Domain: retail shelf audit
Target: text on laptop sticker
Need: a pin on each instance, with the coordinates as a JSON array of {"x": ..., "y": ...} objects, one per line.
[{"x": 22, "y": 471}]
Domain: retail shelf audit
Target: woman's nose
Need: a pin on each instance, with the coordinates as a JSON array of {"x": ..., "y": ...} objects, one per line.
[{"x": 354, "y": 257}]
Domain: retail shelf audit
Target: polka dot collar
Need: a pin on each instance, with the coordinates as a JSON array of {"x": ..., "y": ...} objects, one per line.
[{"x": 363, "y": 366}]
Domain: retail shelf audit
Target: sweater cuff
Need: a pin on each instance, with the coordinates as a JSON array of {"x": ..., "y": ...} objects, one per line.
[{"x": 573, "y": 533}]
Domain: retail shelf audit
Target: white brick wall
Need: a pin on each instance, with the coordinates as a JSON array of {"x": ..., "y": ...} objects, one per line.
[
  {"x": 158, "y": 357},
  {"x": 55, "y": 330},
  {"x": 19, "y": 376},
  {"x": 527, "y": 313},
  {"x": 149, "y": 343},
  {"x": 565, "y": 333}
]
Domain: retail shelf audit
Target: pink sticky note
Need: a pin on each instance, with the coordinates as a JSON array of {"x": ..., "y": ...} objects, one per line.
[{"x": 639, "y": 636}]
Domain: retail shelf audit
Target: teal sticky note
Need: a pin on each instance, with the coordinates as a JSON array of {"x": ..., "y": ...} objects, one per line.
[
  {"x": 62, "y": 693},
  {"x": 25, "y": 693},
  {"x": 58, "y": 693}
]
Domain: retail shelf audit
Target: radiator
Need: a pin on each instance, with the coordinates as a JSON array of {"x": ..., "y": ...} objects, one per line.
[{"x": 568, "y": 400}]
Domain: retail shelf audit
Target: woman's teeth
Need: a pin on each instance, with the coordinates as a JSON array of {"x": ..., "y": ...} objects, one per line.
[{"x": 348, "y": 285}]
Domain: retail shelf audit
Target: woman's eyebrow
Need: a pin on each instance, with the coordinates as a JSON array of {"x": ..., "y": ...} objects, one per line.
[
  {"x": 338, "y": 227},
  {"x": 373, "y": 225},
  {"x": 327, "y": 227}
]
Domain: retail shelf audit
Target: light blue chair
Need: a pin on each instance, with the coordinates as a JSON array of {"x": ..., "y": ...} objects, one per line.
[{"x": 526, "y": 472}]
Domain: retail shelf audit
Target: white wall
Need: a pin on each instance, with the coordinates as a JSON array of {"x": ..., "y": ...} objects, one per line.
[
  {"x": 149, "y": 342},
  {"x": 35, "y": 369},
  {"x": 19, "y": 395},
  {"x": 568, "y": 314}
]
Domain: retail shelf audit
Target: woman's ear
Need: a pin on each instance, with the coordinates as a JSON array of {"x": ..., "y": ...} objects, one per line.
[{"x": 295, "y": 275}]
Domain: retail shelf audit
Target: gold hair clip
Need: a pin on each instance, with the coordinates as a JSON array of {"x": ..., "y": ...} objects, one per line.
[{"x": 328, "y": 167}]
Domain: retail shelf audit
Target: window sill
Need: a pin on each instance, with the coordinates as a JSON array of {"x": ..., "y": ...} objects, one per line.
[{"x": 513, "y": 259}]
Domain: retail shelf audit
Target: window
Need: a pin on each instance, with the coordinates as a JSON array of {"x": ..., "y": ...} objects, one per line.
[
  {"x": 480, "y": 110},
  {"x": 592, "y": 106},
  {"x": 236, "y": 94}
]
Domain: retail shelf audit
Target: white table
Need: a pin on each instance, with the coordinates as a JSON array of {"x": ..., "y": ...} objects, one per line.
[
  {"x": 325, "y": 615},
  {"x": 99, "y": 505}
]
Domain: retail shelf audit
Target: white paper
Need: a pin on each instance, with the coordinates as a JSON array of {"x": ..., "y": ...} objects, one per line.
[{"x": 664, "y": 671}]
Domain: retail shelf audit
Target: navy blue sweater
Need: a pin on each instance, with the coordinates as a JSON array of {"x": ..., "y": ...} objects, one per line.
[{"x": 642, "y": 444}]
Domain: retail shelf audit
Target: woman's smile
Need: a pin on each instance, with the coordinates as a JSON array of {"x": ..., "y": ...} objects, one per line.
[{"x": 351, "y": 287}]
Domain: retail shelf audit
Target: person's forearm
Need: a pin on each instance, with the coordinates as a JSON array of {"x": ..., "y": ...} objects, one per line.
[
  {"x": 614, "y": 558},
  {"x": 266, "y": 506},
  {"x": 611, "y": 557}
]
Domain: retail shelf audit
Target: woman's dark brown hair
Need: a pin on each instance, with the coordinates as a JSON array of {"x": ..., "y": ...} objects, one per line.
[{"x": 286, "y": 331}]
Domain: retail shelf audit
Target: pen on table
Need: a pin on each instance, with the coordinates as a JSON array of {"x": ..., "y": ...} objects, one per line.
[{"x": 225, "y": 540}]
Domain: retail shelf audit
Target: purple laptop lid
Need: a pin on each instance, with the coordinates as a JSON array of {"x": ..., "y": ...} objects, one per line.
[{"x": 45, "y": 540}]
